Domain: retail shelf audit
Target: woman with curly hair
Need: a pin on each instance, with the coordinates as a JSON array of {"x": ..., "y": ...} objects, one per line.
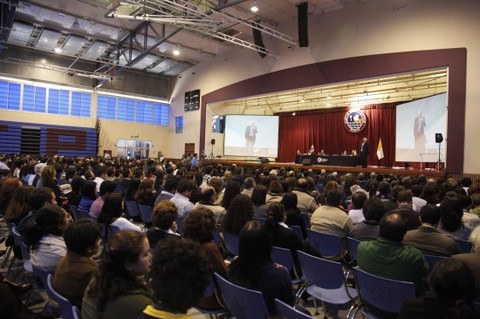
[
  {"x": 19, "y": 205},
  {"x": 47, "y": 179},
  {"x": 199, "y": 226},
  {"x": 239, "y": 213},
  {"x": 180, "y": 274},
  {"x": 119, "y": 289}
]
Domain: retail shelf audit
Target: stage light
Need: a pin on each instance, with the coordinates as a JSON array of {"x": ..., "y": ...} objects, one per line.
[{"x": 254, "y": 8}]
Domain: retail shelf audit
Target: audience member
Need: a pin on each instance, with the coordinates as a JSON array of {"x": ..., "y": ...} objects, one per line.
[
  {"x": 259, "y": 195},
  {"x": 180, "y": 274},
  {"x": 452, "y": 291},
  {"x": 427, "y": 238},
  {"x": 88, "y": 196},
  {"x": 356, "y": 213},
  {"x": 164, "y": 224},
  {"x": 294, "y": 215},
  {"x": 145, "y": 194},
  {"x": 106, "y": 188},
  {"x": 275, "y": 192},
  {"x": 169, "y": 188},
  {"x": 199, "y": 226},
  {"x": 181, "y": 199},
  {"x": 44, "y": 238},
  {"x": 387, "y": 257},
  {"x": 76, "y": 268},
  {"x": 240, "y": 212},
  {"x": 369, "y": 229},
  {"x": 472, "y": 260},
  {"x": 305, "y": 202},
  {"x": 254, "y": 268},
  {"x": 111, "y": 214},
  {"x": 404, "y": 199},
  {"x": 451, "y": 220},
  {"x": 119, "y": 289},
  {"x": 207, "y": 200}
]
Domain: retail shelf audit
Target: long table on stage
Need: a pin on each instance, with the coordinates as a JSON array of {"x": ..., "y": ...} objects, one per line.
[{"x": 336, "y": 160}]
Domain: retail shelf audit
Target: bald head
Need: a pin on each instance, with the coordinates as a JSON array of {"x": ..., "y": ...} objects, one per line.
[{"x": 393, "y": 227}]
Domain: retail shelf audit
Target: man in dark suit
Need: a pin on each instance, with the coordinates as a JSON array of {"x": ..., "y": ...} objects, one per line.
[
  {"x": 250, "y": 136},
  {"x": 364, "y": 152}
]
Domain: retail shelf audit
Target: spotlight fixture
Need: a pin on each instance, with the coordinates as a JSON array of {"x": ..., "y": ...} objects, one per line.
[
  {"x": 254, "y": 8},
  {"x": 294, "y": 113},
  {"x": 58, "y": 50},
  {"x": 76, "y": 24},
  {"x": 176, "y": 51}
]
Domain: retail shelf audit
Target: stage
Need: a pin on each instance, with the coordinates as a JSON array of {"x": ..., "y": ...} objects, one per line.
[{"x": 330, "y": 168}]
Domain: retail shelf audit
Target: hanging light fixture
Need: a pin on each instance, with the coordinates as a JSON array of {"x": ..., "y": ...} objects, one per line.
[
  {"x": 76, "y": 24},
  {"x": 254, "y": 8}
]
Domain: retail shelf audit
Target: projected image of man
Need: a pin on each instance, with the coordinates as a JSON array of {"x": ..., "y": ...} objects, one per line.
[
  {"x": 250, "y": 136},
  {"x": 419, "y": 132}
]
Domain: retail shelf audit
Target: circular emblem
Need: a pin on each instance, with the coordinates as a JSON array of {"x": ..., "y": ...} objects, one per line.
[{"x": 355, "y": 121}]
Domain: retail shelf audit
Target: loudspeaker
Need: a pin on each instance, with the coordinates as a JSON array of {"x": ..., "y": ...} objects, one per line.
[
  {"x": 303, "y": 24},
  {"x": 212, "y": 141},
  {"x": 257, "y": 38},
  {"x": 306, "y": 161},
  {"x": 438, "y": 138},
  {"x": 264, "y": 160}
]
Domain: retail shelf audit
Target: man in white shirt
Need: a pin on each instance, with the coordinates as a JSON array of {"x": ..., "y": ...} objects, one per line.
[{"x": 182, "y": 197}]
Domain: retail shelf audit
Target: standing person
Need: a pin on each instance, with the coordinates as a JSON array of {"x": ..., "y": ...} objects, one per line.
[
  {"x": 419, "y": 132},
  {"x": 364, "y": 152},
  {"x": 250, "y": 136}
]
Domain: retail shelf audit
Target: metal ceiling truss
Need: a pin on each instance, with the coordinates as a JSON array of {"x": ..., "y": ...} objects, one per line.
[
  {"x": 189, "y": 15},
  {"x": 7, "y": 12}
]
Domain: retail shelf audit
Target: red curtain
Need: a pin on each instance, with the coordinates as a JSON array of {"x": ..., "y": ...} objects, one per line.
[{"x": 325, "y": 129}]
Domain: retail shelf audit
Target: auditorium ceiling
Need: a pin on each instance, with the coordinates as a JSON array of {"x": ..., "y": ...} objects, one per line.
[{"x": 145, "y": 35}]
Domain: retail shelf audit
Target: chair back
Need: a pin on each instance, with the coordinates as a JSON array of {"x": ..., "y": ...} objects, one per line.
[
  {"x": 352, "y": 247},
  {"x": 382, "y": 293},
  {"x": 83, "y": 214},
  {"x": 111, "y": 230},
  {"x": 132, "y": 208},
  {"x": 42, "y": 274},
  {"x": 306, "y": 219},
  {"x": 216, "y": 237},
  {"x": 231, "y": 240},
  {"x": 67, "y": 310},
  {"x": 261, "y": 220},
  {"x": 179, "y": 223},
  {"x": 73, "y": 210},
  {"x": 464, "y": 245},
  {"x": 287, "y": 311},
  {"x": 242, "y": 303},
  {"x": 27, "y": 265},
  {"x": 283, "y": 256},
  {"x": 321, "y": 272},
  {"x": 298, "y": 231},
  {"x": 327, "y": 245},
  {"x": 145, "y": 213},
  {"x": 432, "y": 260}
]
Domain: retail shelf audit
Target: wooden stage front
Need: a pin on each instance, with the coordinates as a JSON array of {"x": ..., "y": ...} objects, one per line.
[{"x": 330, "y": 168}]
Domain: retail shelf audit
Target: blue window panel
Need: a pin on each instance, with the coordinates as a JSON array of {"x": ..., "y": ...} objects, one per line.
[
  {"x": 161, "y": 113},
  {"x": 40, "y": 99},
  {"x": 28, "y": 98},
  {"x": 126, "y": 110},
  {"x": 85, "y": 104},
  {"x": 106, "y": 107},
  {"x": 139, "y": 112},
  {"x": 53, "y": 101},
  {"x": 64, "y": 102},
  {"x": 148, "y": 113},
  {"x": 14, "y": 96},
  {"x": 102, "y": 107},
  {"x": 76, "y": 105},
  {"x": 3, "y": 95}
]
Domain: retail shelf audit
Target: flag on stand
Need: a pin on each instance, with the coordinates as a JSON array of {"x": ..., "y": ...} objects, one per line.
[{"x": 380, "y": 149}]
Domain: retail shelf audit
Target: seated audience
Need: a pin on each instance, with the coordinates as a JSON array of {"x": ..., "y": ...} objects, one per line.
[
  {"x": 44, "y": 238},
  {"x": 275, "y": 192},
  {"x": 254, "y": 268},
  {"x": 294, "y": 215},
  {"x": 387, "y": 257},
  {"x": 199, "y": 226},
  {"x": 259, "y": 195},
  {"x": 369, "y": 229},
  {"x": 169, "y": 188},
  {"x": 106, "y": 188},
  {"x": 427, "y": 238},
  {"x": 111, "y": 214},
  {"x": 39, "y": 198},
  {"x": 207, "y": 200},
  {"x": 239, "y": 213},
  {"x": 180, "y": 274},
  {"x": 248, "y": 186},
  {"x": 164, "y": 224},
  {"x": 181, "y": 199},
  {"x": 88, "y": 196},
  {"x": 472, "y": 260},
  {"x": 451, "y": 220},
  {"x": 306, "y": 202},
  {"x": 356, "y": 213},
  {"x": 146, "y": 194},
  {"x": 119, "y": 289},
  {"x": 76, "y": 268},
  {"x": 405, "y": 208},
  {"x": 452, "y": 291}
]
